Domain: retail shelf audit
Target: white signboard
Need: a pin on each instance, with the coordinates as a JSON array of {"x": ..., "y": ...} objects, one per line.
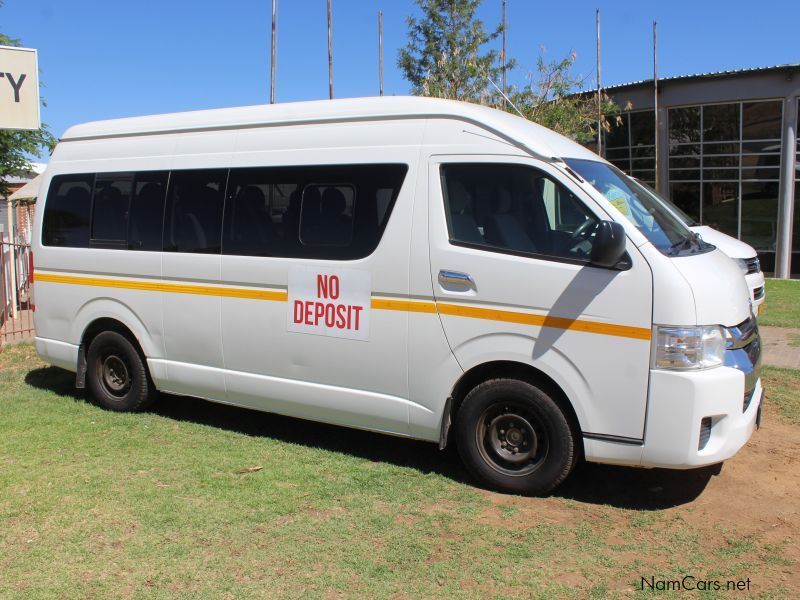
[
  {"x": 331, "y": 302},
  {"x": 19, "y": 88}
]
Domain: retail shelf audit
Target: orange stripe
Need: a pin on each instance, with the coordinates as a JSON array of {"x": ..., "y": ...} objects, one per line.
[
  {"x": 174, "y": 288},
  {"x": 507, "y": 316},
  {"x": 403, "y": 305}
]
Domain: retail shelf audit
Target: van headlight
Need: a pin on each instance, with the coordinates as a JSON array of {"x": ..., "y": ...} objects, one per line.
[
  {"x": 687, "y": 348},
  {"x": 742, "y": 262}
]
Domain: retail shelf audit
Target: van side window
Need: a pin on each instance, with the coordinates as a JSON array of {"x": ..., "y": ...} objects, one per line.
[
  {"x": 146, "y": 215},
  {"x": 110, "y": 201},
  {"x": 336, "y": 212},
  {"x": 326, "y": 214},
  {"x": 262, "y": 211},
  {"x": 517, "y": 209},
  {"x": 66, "y": 211},
  {"x": 193, "y": 215}
]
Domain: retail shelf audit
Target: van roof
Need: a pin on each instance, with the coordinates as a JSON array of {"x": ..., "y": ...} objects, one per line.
[{"x": 528, "y": 136}]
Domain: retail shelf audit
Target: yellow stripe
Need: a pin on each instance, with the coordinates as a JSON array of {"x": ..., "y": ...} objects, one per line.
[
  {"x": 403, "y": 305},
  {"x": 175, "y": 288},
  {"x": 491, "y": 314}
]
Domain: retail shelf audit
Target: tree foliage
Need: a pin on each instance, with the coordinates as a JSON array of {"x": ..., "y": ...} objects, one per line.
[
  {"x": 17, "y": 147},
  {"x": 551, "y": 98},
  {"x": 445, "y": 55}
]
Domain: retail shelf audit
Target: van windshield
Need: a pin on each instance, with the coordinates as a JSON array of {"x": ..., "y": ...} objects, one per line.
[
  {"x": 664, "y": 230},
  {"x": 687, "y": 220}
]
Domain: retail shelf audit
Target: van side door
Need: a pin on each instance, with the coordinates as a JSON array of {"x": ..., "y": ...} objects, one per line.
[
  {"x": 191, "y": 300},
  {"x": 510, "y": 240},
  {"x": 321, "y": 255}
]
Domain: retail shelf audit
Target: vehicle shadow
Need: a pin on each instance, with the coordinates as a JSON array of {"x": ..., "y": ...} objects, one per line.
[{"x": 621, "y": 487}]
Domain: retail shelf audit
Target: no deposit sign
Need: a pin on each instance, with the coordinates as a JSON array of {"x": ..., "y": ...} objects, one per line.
[{"x": 332, "y": 302}]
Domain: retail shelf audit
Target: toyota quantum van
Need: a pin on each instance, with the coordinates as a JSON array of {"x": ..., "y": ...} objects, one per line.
[
  {"x": 418, "y": 267},
  {"x": 743, "y": 254}
]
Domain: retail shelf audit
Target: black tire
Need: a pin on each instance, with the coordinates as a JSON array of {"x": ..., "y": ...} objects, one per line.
[
  {"x": 117, "y": 375},
  {"x": 513, "y": 437}
]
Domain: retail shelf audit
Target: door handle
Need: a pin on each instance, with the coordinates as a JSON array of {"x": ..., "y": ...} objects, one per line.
[{"x": 455, "y": 278}]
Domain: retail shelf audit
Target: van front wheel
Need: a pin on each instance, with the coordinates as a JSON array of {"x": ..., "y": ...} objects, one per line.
[
  {"x": 117, "y": 375},
  {"x": 513, "y": 437}
]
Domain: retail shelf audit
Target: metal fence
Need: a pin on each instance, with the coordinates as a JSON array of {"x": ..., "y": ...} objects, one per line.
[{"x": 16, "y": 309}]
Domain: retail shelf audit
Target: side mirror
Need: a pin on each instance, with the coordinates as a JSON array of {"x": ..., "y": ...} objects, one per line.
[{"x": 609, "y": 245}]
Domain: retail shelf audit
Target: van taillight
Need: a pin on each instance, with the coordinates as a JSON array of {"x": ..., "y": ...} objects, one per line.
[{"x": 30, "y": 265}]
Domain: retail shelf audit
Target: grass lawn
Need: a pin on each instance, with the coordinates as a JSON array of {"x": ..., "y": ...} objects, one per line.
[
  {"x": 782, "y": 306},
  {"x": 784, "y": 391},
  {"x": 201, "y": 500}
]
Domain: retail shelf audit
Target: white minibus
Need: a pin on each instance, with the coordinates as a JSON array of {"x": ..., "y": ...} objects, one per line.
[
  {"x": 743, "y": 254},
  {"x": 418, "y": 267}
]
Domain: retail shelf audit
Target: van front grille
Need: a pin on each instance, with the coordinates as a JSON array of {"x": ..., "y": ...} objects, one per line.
[{"x": 705, "y": 432}]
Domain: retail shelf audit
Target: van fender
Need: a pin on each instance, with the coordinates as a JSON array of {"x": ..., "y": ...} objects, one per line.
[
  {"x": 518, "y": 348},
  {"x": 111, "y": 308}
]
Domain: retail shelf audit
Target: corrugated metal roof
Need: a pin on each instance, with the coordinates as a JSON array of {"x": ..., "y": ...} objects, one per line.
[{"x": 709, "y": 75}]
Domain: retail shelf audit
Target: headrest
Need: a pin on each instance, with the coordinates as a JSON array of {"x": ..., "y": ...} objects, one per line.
[
  {"x": 458, "y": 197},
  {"x": 252, "y": 196},
  {"x": 150, "y": 191},
  {"x": 501, "y": 203},
  {"x": 77, "y": 194},
  {"x": 333, "y": 202},
  {"x": 311, "y": 200}
]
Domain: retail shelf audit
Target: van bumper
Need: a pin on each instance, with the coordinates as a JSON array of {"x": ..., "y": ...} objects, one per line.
[
  {"x": 699, "y": 418},
  {"x": 59, "y": 354}
]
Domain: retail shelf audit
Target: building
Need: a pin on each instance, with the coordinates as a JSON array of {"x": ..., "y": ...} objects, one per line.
[
  {"x": 725, "y": 151},
  {"x": 19, "y": 210}
]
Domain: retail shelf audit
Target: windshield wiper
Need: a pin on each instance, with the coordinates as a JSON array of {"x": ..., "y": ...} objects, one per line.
[{"x": 687, "y": 243}]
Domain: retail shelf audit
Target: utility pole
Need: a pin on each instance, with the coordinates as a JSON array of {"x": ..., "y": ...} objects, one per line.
[
  {"x": 330, "y": 54},
  {"x": 504, "y": 53},
  {"x": 380, "y": 50},
  {"x": 272, "y": 60},
  {"x": 655, "y": 100},
  {"x": 599, "y": 101}
]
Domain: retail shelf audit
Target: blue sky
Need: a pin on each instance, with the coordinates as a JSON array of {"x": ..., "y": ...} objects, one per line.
[{"x": 115, "y": 58}]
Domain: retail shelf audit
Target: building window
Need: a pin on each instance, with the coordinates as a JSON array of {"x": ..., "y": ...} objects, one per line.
[
  {"x": 796, "y": 224},
  {"x": 631, "y": 145},
  {"x": 724, "y": 167}
]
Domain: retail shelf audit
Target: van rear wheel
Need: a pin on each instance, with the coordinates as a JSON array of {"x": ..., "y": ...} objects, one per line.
[
  {"x": 117, "y": 375},
  {"x": 514, "y": 437}
]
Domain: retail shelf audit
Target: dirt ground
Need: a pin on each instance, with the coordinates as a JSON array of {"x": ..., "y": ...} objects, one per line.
[{"x": 756, "y": 496}]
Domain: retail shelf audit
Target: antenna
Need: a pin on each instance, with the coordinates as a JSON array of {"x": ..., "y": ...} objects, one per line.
[
  {"x": 506, "y": 98},
  {"x": 655, "y": 101},
  {"x": 330, "y": 53},
  {"x": 504, "y": 49},
  {"x": 380, "y": 50},
  {"x": 272, "y": 60},
  {"x": 599, "y": 101}
]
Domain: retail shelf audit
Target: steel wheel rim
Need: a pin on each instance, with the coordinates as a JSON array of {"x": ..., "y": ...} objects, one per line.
[
  {"x": 114, "y": 374},
  {"x": 511, "y": 440}
]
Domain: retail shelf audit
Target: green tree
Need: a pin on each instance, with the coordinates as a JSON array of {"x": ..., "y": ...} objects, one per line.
[
  {"x": 445, "y": 55},
  {"x": 552, "y": 98},
  {"x": 17, "y": 147}
]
